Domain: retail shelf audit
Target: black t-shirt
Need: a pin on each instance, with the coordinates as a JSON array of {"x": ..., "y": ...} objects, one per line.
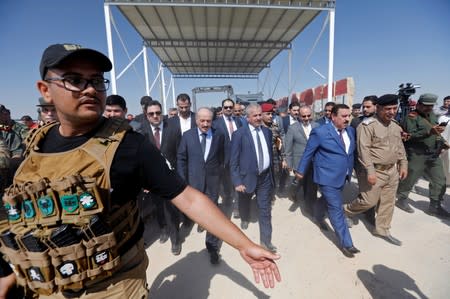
[{"x": 137, "y": 164}]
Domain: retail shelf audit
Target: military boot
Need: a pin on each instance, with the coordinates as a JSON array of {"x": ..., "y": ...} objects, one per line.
[
  {"x": 436, "y": 209},
  {"x": 402, "y": 203}
]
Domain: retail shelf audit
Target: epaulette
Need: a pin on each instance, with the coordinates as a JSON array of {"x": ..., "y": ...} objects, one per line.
[
  {"x": 413, "y": 114},
  {"x": 396, "y": 122},
  {"x": 368, "y": 121}
]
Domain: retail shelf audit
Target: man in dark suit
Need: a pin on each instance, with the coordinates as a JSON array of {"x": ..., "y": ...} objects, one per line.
[
  {"x": 227, "y": 124},
  {"x": 295, "y": 144},
  {"x": 251, "y": 172},
  {"x": 331, "y": 146},
  {"x": 167, "y": 215},
  {"x": 292, "y": 118},
  {"x": 140, "y": 119},
  {"x": 326, "y": 118},
  {"x": 199, "y": 161},
  {"x": 179, "y": 124}
]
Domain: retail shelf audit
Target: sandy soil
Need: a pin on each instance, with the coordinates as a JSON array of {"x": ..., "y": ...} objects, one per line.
[{"x": 311, "y": 264}]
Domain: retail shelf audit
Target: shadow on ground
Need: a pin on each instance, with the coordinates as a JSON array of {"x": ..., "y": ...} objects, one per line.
[
  {"x": 385, "y": 282},
  {"x": 190, "y": 277}
]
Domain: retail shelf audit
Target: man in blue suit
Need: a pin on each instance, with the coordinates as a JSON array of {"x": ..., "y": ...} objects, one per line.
[
  {"x": 330, "y": 148},
  {"x": 199, "y": 161},
  {"x": 251, "y": 172},
  {"x": 326, "y": 118}
]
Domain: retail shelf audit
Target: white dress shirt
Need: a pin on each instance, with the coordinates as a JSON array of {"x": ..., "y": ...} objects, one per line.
[
  {"x": 208, "y": 141},
  {"x": 263, "y": 144}
]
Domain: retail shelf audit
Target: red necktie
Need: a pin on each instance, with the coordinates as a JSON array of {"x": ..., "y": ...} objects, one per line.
[
  {"x": 156, "y": 136},
  {"x": 230, "y": 126}
]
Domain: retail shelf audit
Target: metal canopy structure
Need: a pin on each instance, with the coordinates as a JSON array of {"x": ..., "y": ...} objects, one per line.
[{"x": 219, "y": 38}]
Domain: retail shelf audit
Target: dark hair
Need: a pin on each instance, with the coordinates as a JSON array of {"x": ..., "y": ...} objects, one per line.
[
  {"x": 337, "y": 107},
  {"x": 145, "y": 100},
  {"x": 227, "y": 100},
  {"x": 271, "y": 101},
  {"x": 372, "y": 98},
  {"x": 183, "y": 97},
  {"x": 332, "y": 104},
  {"x": 294, "y": 104},
  {"x": 446, "y": 98},
  {"x": 152, "y": 103},
  {"x": 26, "y": 118},
  {"x": 115, "y": 99}
]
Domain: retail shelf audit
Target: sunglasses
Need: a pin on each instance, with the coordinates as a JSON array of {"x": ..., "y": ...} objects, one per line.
[
  {"x": 154, "y": 113},
  {"x": 227, "y": 107}
]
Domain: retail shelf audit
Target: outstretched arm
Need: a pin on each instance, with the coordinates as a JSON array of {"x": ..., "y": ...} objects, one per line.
[{"x": 202, "y": 210}]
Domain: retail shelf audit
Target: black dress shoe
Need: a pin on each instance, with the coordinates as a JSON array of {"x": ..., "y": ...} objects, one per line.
[
  {"x": 176, "y": 248},
  {"x": 244, "y": 224},
  {"x": 164, "y": 236},
  {"x": 214, "y": 257},
  {"x": 389, "y": 239},
  {"x": 323, "y": 225},
  {"x": 436, "y": 209},
  {"x": 402, "y": 204},
  {"x": 353, "y": 249},
  {"x": 269, "y": 246},
  {"x": 347, "y": 252}
]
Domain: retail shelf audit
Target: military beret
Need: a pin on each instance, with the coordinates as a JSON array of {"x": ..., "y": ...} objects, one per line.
[
  {"x": 356, "y": 106},
  {"x": 266, "y": 107},
  {"x": 43, "y": 103},
  {"x": 387, "y": 99},
  {"x": 427, "y": 99}
]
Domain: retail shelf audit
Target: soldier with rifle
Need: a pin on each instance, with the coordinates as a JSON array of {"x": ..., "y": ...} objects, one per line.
[{"x": 423, "y": 148}]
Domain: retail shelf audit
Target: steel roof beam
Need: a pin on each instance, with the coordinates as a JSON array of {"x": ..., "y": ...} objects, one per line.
[{"x": 164, "y": 43}]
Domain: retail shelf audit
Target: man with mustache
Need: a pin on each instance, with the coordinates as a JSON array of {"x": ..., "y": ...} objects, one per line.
[
  {"x": 383, "y": 162},
  {"x": 79, "y": 183},
  {"x": 200, "y": 161},
  {"x": 330, "y": 149}
]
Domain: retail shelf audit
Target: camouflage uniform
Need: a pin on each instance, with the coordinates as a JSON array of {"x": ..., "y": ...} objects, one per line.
[
  {"x": 277, "y": 144},
  {"x": 11, "y": 150},
  {"x": 423, "y": 149}
]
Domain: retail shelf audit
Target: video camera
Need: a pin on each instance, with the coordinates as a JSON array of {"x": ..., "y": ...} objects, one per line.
[{"x": 405, "y": 90}]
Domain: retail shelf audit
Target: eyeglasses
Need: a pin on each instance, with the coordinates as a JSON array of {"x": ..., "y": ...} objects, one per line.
[
  {"x": 79, "y": 84},
  {"x": 304, "y": 116},
  {"x": 227, "y": 107},
  {"x": 154, "y": 113}
]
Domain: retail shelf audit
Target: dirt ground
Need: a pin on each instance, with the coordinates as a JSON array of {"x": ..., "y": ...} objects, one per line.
[{"x": 311, "y": 265}]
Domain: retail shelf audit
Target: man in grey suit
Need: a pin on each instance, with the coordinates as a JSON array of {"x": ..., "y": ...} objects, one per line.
[{"x": 295, "y": 143}]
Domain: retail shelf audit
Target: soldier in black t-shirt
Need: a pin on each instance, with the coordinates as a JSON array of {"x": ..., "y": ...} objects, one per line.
[{"x": 73, "y": 80}]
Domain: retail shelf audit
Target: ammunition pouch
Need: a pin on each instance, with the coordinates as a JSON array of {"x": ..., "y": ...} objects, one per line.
[{"x": 62, "y": 232}]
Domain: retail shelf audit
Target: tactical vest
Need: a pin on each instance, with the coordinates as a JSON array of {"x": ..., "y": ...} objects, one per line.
[{"x": 62, "y": 232}]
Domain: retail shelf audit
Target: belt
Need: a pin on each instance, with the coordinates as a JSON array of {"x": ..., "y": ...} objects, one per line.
[
  {"x": 383, "y": 167},
  {"x": 264, "y": 172}
]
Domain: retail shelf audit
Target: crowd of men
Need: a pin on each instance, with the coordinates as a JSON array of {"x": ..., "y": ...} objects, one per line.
[{"x": 232, "y": 155}]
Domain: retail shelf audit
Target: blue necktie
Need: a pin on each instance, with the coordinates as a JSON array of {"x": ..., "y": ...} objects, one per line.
[{"x": 203, "y": 143}]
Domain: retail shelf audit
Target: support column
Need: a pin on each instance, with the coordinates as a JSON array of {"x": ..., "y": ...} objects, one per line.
[
  {"x": 331, "y": 57},
  {"x": 110, "y": 47},
  {"x": 147, "y": 86}
]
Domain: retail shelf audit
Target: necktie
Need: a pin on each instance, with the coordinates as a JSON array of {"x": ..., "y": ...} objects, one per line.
[
  {"x": 230, "y": 126},
  {"x": 342, "y": 137},
  {"x": 203, "y": 143},
  {"x": 157, "y": 137},
  {"x": 260, "y": 151}
]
